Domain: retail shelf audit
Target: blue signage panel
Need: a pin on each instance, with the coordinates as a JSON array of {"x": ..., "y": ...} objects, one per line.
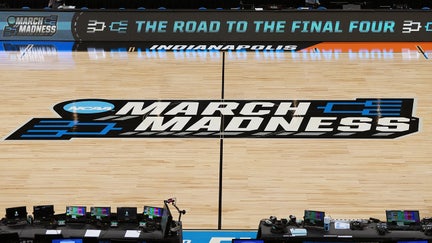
[
  {"x": 216, "y": 236},
  {"x": 36, "y": 25},
  {"x": 41, "y": 46}
]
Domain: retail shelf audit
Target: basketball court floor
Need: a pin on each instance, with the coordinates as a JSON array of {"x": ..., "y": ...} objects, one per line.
[{"x": 221, "y": 182}]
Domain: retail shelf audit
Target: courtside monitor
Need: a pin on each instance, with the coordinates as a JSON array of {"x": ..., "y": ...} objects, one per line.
[
  {"x": 153, "y": 212},
  {"x": 100, "y": 213},
  {"x": 314, "y": 218},
  {"x": 76, "y": 212},
  {"x": 16, "y": 213},
  {"x": 166, "y": 220},
  {"x": 43, "y": 212},
  {"x": 403, "y": 217},
  {"x": 127, "y": 214},
  {"x": 247, "y": 241}
]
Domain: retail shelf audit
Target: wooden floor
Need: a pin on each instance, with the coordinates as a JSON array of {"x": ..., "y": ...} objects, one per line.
[{"x": 261, "y": 177}]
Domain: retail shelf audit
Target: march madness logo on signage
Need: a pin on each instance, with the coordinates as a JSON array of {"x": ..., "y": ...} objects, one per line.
[
  {"x": 95, "y": 118},
  {"x": 30, "y": 26}
]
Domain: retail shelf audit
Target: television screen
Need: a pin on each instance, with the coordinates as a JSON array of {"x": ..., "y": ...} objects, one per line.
[
  {"x": 403, "y": 217},
  {"x": 75, "y": 212},
  {"x": 126, "y": 214},
  {"x": 153, "y": 212},
  {"x": 67, "y": 241},
  {"x": 314, "y": 218},
  {"x": 16, "y": 213},
  {"x": 247, "y": 241},
  {"x": 100, "y": 212},
  {"x": 43, "y": 212}
]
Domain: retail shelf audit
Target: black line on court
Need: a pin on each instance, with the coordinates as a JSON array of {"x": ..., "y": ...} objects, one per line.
[
  {"x": 220, "y": 183},
  {"x": 223, "y": 76},
  {"x": 420, "y": 49},
  {"x": 221, "y": 143}
]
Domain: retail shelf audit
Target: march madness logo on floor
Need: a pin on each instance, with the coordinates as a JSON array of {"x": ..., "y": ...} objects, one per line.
[{"x": 337, "y": 119}]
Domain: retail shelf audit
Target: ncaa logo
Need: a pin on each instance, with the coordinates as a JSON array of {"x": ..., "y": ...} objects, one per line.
[{"x": 88, "y": 107}]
